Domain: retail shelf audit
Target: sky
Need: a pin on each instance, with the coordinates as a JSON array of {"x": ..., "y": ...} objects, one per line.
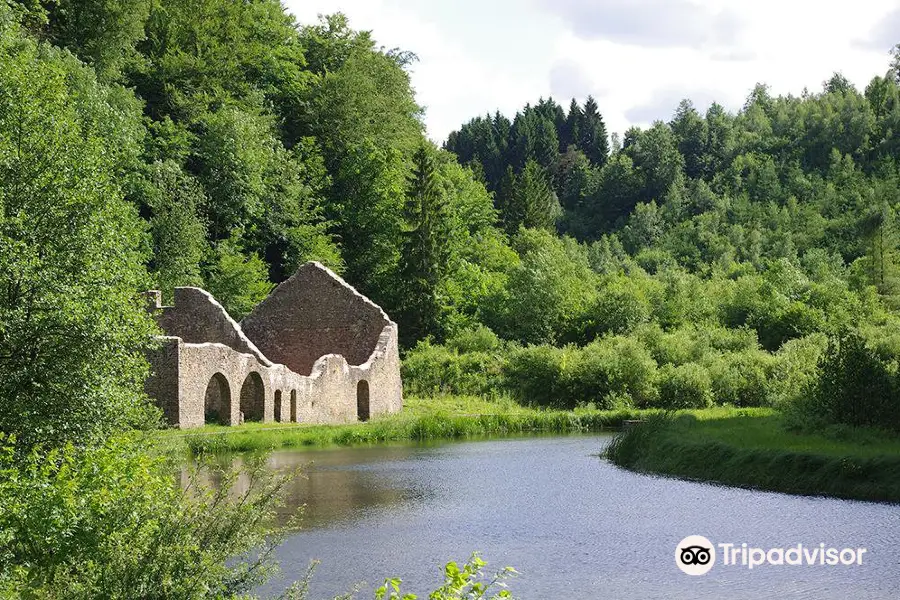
[{"x": 638, "y": 58}]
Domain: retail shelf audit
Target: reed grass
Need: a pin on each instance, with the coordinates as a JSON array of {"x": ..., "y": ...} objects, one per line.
[{"x": 443, "y": 417}]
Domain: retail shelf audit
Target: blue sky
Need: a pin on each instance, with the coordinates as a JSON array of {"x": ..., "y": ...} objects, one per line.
[{"x": 638, "y": 58}]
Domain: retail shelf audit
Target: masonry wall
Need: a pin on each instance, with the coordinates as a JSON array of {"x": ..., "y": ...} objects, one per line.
[
  {"x": 197, "y": 318},
  {"x": 208, "y": 368},
  {"x": 312, "y": 314}
]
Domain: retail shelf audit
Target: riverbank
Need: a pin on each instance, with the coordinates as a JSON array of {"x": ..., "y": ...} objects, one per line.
[
  {"x": 443, "y": 417},
  {"x": 752, "y": 448}
]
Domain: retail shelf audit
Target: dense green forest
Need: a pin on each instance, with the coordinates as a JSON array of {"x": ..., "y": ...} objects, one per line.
[{"x": 750, "y": 259}]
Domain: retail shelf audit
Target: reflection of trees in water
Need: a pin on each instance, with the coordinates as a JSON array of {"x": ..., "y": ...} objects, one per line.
[{"x": 332, "y": 486}]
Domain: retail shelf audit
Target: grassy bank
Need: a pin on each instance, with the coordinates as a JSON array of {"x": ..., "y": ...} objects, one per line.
[
  {"x": 443, "y": 417},
  {"x": 752, "y": 448}
]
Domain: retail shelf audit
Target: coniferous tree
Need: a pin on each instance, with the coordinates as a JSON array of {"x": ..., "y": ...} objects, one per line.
[
  {"x": 572, "y": 130},
  {"x": 531, "y": 202},
  {"x": 690, "y": 131},
  {"x": 883, "y": 239},
  {"x": 424, "y": 251},
  {"x": 592, "y": 138}
]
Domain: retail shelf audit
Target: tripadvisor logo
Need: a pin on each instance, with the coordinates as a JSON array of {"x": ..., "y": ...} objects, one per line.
[{"x": 696, "y": 555}]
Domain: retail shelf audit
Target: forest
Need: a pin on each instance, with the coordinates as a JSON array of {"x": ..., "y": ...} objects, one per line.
[{"x": 745, "y": 259}]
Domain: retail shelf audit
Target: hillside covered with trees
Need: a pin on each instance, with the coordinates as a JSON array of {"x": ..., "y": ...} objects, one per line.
[{"x": 749, "y": 258}]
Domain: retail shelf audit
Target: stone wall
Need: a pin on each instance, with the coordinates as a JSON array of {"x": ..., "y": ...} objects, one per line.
[
  {"x": 312, "y": 314},
  {"x": 208, "y": 370},
  {"x": 197, "y": 318}
]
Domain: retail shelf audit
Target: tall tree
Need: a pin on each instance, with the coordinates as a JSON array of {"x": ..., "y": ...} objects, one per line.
[
  {"x": 592, "y": 138},
  {"x": 571, "y": 135},
  {"x": 71, "y": 325},
  {"x": 530, "y": 201},
  {"x": 425, "y": 253},
  {"x": 691, "y": 132}
]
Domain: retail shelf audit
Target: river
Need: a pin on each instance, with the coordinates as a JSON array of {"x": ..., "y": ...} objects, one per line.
[{"x": 574, "y": 525}]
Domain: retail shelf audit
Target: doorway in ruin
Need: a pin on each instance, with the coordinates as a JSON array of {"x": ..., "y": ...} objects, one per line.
[
  {"x": 217, "y": 401},
  {"x": 294, "y": 406},
  {"x": 253, "y": 402},
  {"x": 362, "y": 401},
  {"x": 278, "y": 412}
]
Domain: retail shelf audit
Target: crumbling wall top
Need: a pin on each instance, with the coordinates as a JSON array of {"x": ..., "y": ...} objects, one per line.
[
  {"x": 312, "y": 314},
  {"x": 197, "y": 318}
]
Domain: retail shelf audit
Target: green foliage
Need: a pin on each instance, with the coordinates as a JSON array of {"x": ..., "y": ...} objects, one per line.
[
  {"x": 71, "y": 325},
  {"x": 111, "y": 523},
  {"x": 526, "y": 199},
  {"x": 179, "y": 236},
  {"x": 605, "y": 373},
  {"x": 424, "y": 252},
  {"x": 754, "y": 448},
  {"x": 620, "y": 306},
  {"x": 102, "y": 33},
  {"x": 855, "y": 387},
  {"x": 460, "y": 583},
  {"x": 237, "y": 281},
  {"x": 429, "y": 369},
  {"x": 742, "y": 378},
  {"x": 547, "y": 290},
  {"x": 610, "y": 370},
  {"x": 684, "y": 386},
  {"x": 536, "y": 375}
]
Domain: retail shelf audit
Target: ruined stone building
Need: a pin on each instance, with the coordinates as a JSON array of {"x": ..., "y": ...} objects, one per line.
[{"x": 314, "y": 351}]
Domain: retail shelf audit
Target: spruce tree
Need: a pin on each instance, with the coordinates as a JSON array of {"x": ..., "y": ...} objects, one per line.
[
  {"x": 424, "y": 251},
  {"x": 592, "y": 138},
  {"x": 572, "y": 131}
]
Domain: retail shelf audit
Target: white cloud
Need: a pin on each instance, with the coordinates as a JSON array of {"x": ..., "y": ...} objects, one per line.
[{"x": 477, "y": 57}]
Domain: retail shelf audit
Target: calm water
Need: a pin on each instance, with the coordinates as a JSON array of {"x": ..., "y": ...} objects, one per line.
[{"x": 574, "y": 525}]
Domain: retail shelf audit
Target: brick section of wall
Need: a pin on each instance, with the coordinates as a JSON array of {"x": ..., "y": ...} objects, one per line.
[
  {"x": 197, "y": 318},
  {"x": 312, "y": 314}
]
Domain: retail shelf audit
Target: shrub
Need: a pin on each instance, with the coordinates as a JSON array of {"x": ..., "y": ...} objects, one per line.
[
  {"x": 535, "y": 374},
  {"x": 611, "y": 368},
  {"x": 684, "y": 386},
  {"x": 431, "y": 369},
  {"x": 855, "y": 386},
  {"x": 475, "y": 339},
  {"x": 71, "y": 251},
  {"x": 741, "y": 378},
  {"x": 111, "y": 522},
  {"x": 796, "y": 368},
  {"x": 620, "y": 307}
]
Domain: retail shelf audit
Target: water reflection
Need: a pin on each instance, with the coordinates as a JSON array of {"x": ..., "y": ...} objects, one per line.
[
  {"x": 331, "y": 486},
  {"x": 572, "y": 523}
]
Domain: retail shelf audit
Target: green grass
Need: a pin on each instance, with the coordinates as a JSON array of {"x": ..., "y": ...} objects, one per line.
[
  {"x": 443, "y": 417},
  {"x": 752, "y": 448}
]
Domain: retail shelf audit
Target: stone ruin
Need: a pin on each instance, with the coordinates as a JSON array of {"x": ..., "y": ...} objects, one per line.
[{"x": 314, "y": 351}]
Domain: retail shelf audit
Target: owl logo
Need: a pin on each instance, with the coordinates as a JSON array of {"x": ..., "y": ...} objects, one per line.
[{"x": 695, "y": 555}]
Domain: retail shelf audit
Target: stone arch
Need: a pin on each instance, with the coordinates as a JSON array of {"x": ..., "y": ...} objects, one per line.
[
  {"x": 217, "y": 401},
  {"x": 362, "y": 400},
  {"x": 253, "y": 398},
  {"x": 279, "y": 414},
  {"x": 294, "y": 418}
]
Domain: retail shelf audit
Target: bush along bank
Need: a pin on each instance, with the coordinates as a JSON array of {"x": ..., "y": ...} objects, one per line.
[{"x": 753, "y": 449}]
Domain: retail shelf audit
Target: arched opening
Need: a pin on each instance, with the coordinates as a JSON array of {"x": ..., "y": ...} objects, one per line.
[
  {"x": 362, "y": 401},
  {"x": 217, "y": 401},
  {"x": 294, "y": 406},
  {"x": 253, "y": 398},
  {"x": 278, "y": 412}
]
